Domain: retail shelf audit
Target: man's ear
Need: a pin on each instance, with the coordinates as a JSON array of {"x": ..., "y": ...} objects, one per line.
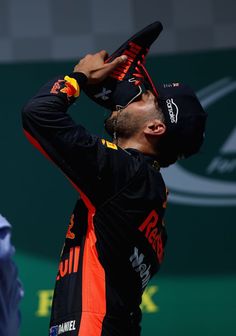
[{"x": 155, "y": 127}]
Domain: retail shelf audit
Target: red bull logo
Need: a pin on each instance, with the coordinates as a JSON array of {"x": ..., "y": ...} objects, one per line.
[
  {"x": 70, "y": 234},
  {"x": 69, "y": 89},
  {"x": 152, "y": 233},
  {"x": 70, "y": 264}
]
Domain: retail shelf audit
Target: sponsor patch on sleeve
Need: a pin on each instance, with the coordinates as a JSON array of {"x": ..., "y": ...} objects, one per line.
[
  {"x": 109, "y": 144},
  {"x": 71, "y": 87},
  {"x": 68, "y": 85}
]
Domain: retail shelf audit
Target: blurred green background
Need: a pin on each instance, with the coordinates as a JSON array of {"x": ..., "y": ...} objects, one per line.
[{"x": 195, "y": 291}]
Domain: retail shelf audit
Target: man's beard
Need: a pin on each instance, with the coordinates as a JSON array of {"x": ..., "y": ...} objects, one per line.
[
  {"x": 120, "y": 125},
  {"x": 110, "y": 125}
]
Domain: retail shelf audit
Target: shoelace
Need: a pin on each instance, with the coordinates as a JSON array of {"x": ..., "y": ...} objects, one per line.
[{"x": 139, "y": 75}]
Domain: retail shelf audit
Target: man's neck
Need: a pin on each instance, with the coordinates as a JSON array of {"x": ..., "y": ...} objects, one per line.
[{"x": 142, "y": 145}]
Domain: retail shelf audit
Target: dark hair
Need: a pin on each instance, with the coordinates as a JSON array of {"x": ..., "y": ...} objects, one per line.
[
  {"x": 170, "y": 148},
  {"x": 166, "y": 156},
  {"x": 183, "y": 139}
]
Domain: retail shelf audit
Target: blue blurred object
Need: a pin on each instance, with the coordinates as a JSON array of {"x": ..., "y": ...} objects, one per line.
[{"x": 11, "y": 290}]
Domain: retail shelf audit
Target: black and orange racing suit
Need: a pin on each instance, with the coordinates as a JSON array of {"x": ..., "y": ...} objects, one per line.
[{"x": 115, "y": 239}]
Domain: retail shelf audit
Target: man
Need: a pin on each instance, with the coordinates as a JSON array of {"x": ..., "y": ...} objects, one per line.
[
  {"x": 116, "y": 235},
  {"x": 11, "y": 290}
]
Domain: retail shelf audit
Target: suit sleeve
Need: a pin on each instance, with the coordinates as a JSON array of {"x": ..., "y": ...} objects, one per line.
[{"x": 82, "y": 157}]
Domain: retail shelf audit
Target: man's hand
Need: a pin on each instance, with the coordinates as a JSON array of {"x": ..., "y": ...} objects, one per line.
[{"x": 95, "y": 68}]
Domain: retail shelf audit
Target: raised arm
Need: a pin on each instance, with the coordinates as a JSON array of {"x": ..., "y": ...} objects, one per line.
[{"x": 48, "y": 126}]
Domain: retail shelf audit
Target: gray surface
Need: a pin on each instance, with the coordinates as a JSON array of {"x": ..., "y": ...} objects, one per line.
[{"x": 59, "y": 29}]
